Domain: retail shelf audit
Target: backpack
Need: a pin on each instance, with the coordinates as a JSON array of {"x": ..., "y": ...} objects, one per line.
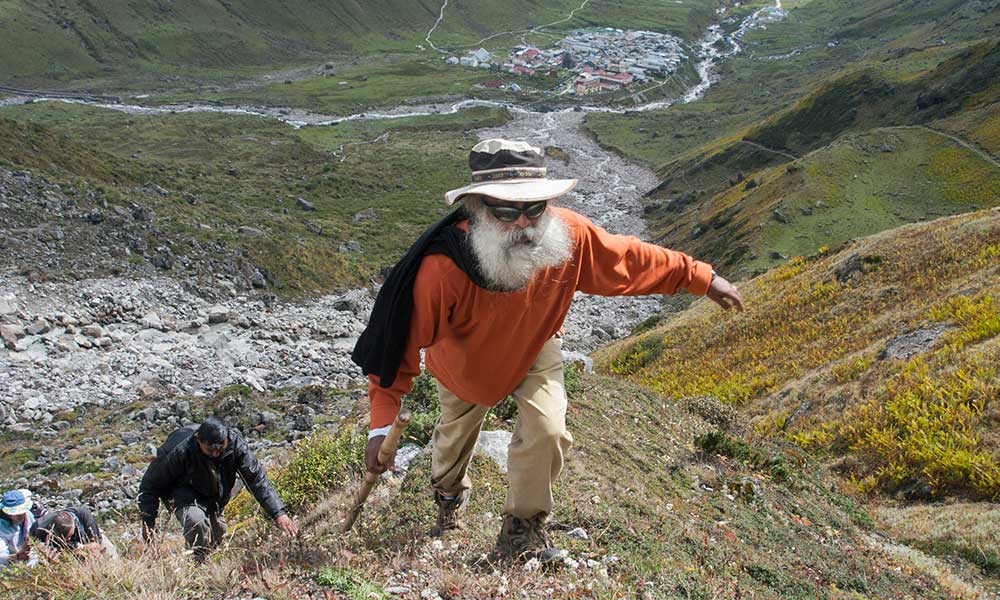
[{"x": 176, "y": 438}]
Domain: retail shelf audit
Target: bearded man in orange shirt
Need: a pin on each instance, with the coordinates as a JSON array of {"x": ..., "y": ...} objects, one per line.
[{"x": 485, "y": 292}]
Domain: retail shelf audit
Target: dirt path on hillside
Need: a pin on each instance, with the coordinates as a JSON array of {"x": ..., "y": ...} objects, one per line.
[{"x": 967, "y": 145}]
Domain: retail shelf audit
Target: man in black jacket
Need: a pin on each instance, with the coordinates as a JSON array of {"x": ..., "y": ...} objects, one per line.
[{"x": 194, "y": 472}]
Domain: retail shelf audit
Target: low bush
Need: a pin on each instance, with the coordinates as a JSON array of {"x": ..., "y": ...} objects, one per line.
[
  {"x": 321, "y": 462},
  {"x": 718, "y": 442},
  {"x": 352, "y": 585}
]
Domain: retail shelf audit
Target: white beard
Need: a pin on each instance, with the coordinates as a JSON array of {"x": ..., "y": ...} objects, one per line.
[{"x": 509, "y": 259}]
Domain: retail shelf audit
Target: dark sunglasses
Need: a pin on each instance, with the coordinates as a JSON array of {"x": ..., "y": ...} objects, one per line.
[{"x": 509, "y": 214}]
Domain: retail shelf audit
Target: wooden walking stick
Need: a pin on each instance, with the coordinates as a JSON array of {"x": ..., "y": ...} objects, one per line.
[{"x": 385, "y": 451}]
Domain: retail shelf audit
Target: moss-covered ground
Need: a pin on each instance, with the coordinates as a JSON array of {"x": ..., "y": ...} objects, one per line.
[{"x": 223, "y": 172}]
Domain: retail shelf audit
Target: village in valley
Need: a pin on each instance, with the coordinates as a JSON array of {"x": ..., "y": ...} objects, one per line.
[{"x": 603, "y": 59}]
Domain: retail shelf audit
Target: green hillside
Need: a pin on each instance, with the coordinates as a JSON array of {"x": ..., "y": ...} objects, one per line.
[
  {"x": 847, "y": 136},
  {"x": 859, "y": 185},
  {"x": 858, "y": 100},
  {"x": 80, "y": 43},
  {"x": 220, "y": 173},
  {"x": 809, "y": 357}
]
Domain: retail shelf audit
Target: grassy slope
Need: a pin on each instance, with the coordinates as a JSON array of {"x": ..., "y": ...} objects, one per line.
[
  {"x": 663, "y": 518},
  {"x": 857, "y": 99},
  {"x": 805, "y": 359},
  {"x": 225, "y": 172},
  {"x": 859, "y": 185},
  {"x": 79, "y": 39},
  {"x": 806, "y": 363}
]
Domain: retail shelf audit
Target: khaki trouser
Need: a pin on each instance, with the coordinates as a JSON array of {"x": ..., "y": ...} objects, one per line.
[
  {"x": 536, "y": 451},
  {"x": 203, "y": 530}
]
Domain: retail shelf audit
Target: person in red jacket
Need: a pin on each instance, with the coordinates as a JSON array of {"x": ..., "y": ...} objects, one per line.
[{"x": 485, "y": 292}]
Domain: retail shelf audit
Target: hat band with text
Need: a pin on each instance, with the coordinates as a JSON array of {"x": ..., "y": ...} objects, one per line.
[{"x": 509, "y": 173}]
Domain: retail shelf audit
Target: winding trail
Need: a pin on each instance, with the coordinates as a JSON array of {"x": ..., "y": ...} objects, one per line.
[
  {"x": 436, "y": 23},
  {"x": 983, "y": 154},
  {"x": 771, "y": 150},
  {"x": 537, "y": 29}
]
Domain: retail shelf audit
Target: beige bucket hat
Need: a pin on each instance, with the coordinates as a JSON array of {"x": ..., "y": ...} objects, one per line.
[{"x": 512, "y": 171}]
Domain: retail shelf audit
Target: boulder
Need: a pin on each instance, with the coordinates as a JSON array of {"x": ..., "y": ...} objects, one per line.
[
  {"x": 151, "y": 320},
  {"x": 94, "y": 331},
  {"x": 576, "y": 358},
  {"x": 11, "y": 333},
  {"x": 912, "y": 343},
  {"x": 364, "y": 215},
  {"x": 494, "y": 445},
  {"x": 305, "y": 204},
  {"x": 250, "y": 231},
  {"x": 142, "y": 213},
  {"x": 218, "y": 314},
  {"x": 354, "y": 302},
  {"x": 7, "y": 306},
  {"x": 163, "y": 259}
]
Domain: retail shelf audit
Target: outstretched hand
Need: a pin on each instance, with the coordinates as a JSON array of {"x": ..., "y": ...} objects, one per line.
[
  {"x": 725, "y": 294},
  {"x": 286, "y": 524}
]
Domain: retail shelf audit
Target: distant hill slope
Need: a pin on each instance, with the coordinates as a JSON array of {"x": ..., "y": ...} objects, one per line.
[
  {"x": 873, "y": 98},
  {"x": 66, "y": 41},
  {"x": 857, "y": 186},
  {"x": 866, "y": 151},
  {"x": 886, "y": 352},
  {"x": 81, "y": 37},
  {"x": 855, "y": 100}
]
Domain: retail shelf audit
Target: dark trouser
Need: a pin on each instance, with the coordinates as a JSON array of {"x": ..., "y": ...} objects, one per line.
[{"x": 203, "y": 530}]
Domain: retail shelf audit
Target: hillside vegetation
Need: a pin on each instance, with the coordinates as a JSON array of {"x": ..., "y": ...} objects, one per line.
[
  {"x": 227, "y": 184},
  {"x": 139, "y": 44},
  {"x": 850, "y": 135},
  {"x": 884, "y": 352},
  {"x": 692, "y": 512},
  {"x": 859, "y": 185}
]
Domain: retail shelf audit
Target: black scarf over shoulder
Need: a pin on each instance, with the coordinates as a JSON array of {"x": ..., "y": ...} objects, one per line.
[{"x": 380, "y": 348}]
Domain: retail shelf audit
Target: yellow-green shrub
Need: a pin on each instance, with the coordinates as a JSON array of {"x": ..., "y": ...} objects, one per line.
[
  {"x": 979, "y": 317},
  {"x": 924, "y": 426},
  {"x": 320, "y": 463}
]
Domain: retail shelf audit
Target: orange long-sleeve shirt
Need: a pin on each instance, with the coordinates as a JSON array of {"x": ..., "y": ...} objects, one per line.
[{"x": 481, "y": 343}]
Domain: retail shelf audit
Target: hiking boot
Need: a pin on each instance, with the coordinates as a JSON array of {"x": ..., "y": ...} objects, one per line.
[
  {"x": 449, "y": 512},
  {"x": 524, "y": 539}
]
